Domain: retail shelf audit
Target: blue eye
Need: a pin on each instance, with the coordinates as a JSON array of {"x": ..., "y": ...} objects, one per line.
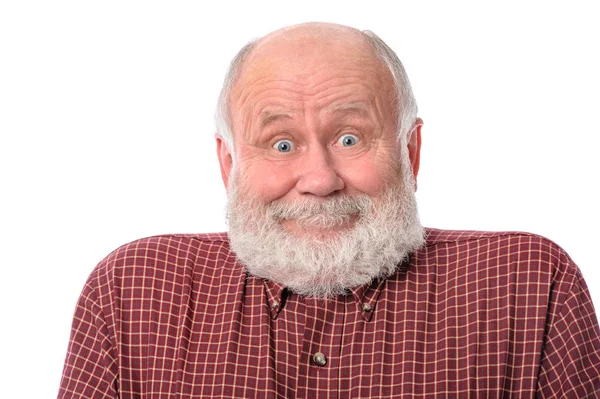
[
  {"x": 284, "y": 146},
  {"x": 348, "y": 140}
]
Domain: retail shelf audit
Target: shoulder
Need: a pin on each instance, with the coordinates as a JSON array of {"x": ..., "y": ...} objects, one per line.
[
  {"x": 526, "y": 267},
  {"x": 438, "y": 236},
  {"x": 170, "y": 248},
  {"x": 518, "y": 251},
  {"x": 503, "y": 241},
  {"x": 169, "y": 258}
]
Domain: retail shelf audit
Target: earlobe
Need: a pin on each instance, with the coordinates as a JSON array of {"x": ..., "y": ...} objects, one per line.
[
  {"x": 225, "y": 160},
  {"x": 414, "y": 147}
]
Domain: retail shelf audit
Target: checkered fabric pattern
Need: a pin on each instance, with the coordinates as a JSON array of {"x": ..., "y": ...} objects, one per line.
[{"x": 469, "y": 315}]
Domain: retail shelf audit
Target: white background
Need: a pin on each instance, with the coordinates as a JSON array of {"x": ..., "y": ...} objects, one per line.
[{"x": 107, "y": 134}]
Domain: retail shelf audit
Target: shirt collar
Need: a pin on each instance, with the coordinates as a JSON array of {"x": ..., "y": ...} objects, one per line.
[
  {"x": 365, "y": 295},
  {"x": 275, "y": 295}
]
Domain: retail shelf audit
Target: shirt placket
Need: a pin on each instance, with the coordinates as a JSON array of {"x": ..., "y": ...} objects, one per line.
[{"x": 320, "y": 357}]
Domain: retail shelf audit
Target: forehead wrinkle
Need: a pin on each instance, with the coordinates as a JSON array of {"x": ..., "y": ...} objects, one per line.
[
  {"x": 260, "y": 89},
  {"x": 345, "y": 76},
  {"x": 330, "y": 99},
  {"x": 243, "y": 92},
  {"x": 299, "y": 83},
  {"x": 259, "y": 106}
]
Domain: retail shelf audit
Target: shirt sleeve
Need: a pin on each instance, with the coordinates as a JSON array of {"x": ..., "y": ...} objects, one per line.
[
  {"x": 90, "y": 369},
  {"x": 570, "y": 365}
]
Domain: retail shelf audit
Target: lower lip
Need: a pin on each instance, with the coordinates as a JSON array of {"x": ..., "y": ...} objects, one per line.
[{"x": 293, "y": 227}]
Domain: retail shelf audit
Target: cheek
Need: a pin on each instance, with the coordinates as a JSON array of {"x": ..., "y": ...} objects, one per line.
[
  {"x": 266, "y": 181},
  {"x": 368, "y": 176}
]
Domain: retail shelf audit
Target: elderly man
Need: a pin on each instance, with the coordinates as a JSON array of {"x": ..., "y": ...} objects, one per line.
[{"x": 326, "y": 284}]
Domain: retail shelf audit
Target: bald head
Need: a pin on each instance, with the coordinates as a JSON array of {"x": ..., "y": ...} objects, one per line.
[
  {"x": 304, "y": 37},
  {"x": 297, "y": 51}
]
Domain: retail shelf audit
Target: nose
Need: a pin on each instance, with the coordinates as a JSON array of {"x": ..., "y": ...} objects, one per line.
[{"x": 317, "y": 174}]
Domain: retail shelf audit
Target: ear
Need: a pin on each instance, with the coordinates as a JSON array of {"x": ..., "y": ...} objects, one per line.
[
  {"x": 414, "y": 147},
  {"x": 225, "y": 160}
]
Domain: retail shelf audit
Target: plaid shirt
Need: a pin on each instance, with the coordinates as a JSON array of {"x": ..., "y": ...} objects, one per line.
[{"x": 470, "y": 315}]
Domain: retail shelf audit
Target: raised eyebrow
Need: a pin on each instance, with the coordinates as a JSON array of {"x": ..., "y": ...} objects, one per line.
[
  {"x": 266, "y": 117},
  {"x": 349, "y": 108}
]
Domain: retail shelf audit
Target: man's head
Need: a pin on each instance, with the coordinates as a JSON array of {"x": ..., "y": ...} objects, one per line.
[{"x": 319, "y": 148}]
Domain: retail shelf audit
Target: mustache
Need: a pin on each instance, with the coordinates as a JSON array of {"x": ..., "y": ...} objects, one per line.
[{"x": 328, "y": 212}]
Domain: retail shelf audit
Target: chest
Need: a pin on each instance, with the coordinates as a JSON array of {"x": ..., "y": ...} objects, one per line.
[{"x": 406, "y": 343}]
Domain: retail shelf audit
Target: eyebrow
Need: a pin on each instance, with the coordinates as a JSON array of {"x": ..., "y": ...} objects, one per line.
[
  {"x": 267, "y": 117},
  {"x": 353, "y": 107}
]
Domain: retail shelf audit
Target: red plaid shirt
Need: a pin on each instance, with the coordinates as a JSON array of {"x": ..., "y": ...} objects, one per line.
[{"x": 470, "y": 315}]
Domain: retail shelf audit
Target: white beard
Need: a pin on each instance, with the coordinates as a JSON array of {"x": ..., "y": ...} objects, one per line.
[{"x": 386, "y": 230}]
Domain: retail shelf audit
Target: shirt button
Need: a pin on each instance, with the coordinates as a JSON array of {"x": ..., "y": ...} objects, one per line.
[
  {"x": 319, "y": 359},
  {"x": 366, "y": 307},
  {"x": 274, "y": 305}
]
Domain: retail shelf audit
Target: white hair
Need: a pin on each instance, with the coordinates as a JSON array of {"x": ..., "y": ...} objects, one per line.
[
  {"x": 405, "y": 100},
  {"x": 222, "y": 115},
  {"x": 406, "y": 104},
  {"x": 386, "y": 231}
]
